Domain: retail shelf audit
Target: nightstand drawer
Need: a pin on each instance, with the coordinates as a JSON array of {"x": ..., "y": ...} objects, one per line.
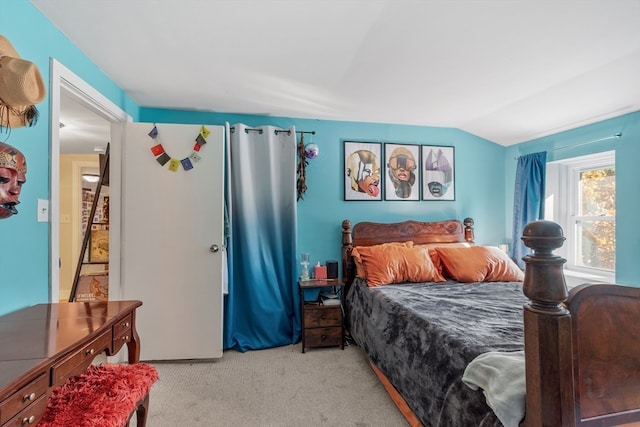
[
  {"x": 323, "y": 337},
  {"x": 318, "y": 316}
]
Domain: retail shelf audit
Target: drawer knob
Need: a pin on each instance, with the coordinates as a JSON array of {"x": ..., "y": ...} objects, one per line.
[
  {"x": 324, "y": 337},
  {"x": 29, "y": 420},
  {"x": 90, "y": 351},
  {"x": 125, "y": 325},
  {"x": 30, "y": 397},
  {"x": 125, "y": 338}
]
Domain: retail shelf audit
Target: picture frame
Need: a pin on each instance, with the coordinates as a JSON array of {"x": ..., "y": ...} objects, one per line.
[
  {"x": 438, "y": 172},
  {"x": 93, "y": 287},
  {"x": 402, "y": 171},
  {"x": 99, "y": 246},
  {"x": 362, "y": 180}
]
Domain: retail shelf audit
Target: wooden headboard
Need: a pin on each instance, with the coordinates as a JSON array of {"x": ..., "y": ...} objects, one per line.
[{"x": 375, "y": 233}]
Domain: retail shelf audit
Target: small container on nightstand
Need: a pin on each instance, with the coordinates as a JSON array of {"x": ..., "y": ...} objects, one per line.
[{"x": 322, "y": 324}]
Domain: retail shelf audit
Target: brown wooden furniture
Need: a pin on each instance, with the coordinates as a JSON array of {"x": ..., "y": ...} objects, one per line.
[
  {"x": 582, "y": 348},
  {"x": 43, "y": 345},
  {"x": 322, "y": 325}
]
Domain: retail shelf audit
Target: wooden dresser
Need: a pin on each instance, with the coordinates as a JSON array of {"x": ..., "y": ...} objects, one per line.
[{"x": 43, "y": 345}]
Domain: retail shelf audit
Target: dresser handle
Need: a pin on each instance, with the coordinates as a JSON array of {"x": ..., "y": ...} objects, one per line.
[
  {"x": 29, "y": 420},
  {"x": 125, "y": 325},
  {"x": 89, "y": 352},
  {"x": 125, "y": 338},
  {"x": 30, "y": 397}
]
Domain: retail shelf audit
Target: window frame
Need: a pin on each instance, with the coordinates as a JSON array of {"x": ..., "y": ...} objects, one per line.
[{"x": 564, "y": 199}]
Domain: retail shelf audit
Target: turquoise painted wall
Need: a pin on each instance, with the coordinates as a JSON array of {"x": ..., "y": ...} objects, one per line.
[
  {"x": 627, "y": 150},
  {"x": 24, "y": 242},
  {"x": 479, "y": 178},
  {"x": 482, "y": 169}
]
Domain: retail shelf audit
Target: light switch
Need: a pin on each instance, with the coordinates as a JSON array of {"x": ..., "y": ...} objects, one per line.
[{"x": 43, "y": 210}]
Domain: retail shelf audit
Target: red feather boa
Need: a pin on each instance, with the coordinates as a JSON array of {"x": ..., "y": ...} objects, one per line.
[{"x": 103, "y": 396}]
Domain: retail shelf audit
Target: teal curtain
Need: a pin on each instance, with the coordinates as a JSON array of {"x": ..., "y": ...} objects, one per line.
[
  {"x": 262, "y": 306},
  {"x": 528, "y": 200}
]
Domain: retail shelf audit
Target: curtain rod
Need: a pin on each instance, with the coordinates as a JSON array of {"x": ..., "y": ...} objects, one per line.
[
  {"x": 247, "y": 130},
  {"x": 614, "y": 136},
  {"x": 312, "y": 132}
]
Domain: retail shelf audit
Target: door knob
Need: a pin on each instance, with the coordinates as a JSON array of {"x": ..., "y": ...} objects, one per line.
[{"x": 214, "y": 249}]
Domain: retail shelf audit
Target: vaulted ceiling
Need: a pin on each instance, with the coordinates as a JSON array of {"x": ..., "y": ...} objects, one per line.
[{"x": 507, "y": 71}]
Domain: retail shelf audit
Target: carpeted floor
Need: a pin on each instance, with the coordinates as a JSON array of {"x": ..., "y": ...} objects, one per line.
[{"x": 278, "y": 387}]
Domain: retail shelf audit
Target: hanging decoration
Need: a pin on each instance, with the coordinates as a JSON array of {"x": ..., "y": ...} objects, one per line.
[
  {"x": 305, "y": 152},
  {"x": 187, "y": 163},
  {"x": 302, "y": 164}
]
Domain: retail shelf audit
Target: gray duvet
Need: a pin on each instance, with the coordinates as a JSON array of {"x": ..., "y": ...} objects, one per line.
[{"x": 422, "y": 336}]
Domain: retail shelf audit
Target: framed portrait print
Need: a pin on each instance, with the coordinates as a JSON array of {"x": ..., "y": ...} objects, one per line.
[
  {"x": 402, "y": 172},
  {"x": 438, "y": 173},
  {"x": 362, "y": 170}
]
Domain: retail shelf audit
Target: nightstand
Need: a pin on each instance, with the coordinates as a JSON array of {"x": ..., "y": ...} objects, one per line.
[{"x": 322, "y": 325}]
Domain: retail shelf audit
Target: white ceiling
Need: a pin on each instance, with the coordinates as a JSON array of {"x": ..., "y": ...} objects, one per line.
[{"x": 505, "y": 70}]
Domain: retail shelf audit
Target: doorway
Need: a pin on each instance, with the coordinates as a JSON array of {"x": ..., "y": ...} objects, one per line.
[{"x": 93, "y": 115}]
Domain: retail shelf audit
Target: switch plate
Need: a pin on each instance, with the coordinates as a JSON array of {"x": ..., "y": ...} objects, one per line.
[{"x": 43, "y": 210}]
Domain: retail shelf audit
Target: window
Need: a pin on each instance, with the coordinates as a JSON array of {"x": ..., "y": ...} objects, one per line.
[{"x": 584, "y": 193}]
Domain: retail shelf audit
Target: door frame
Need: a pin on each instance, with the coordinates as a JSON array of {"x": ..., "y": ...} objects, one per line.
[{"x": 64, "y": 81}]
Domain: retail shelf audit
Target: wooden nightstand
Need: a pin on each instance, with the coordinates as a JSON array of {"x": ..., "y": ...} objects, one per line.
[{"x": 322, "y": 325}]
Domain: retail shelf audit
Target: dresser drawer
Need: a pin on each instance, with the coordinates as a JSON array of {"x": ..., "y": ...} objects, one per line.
[
  {"x": 317, "y": 316},
  {"x": 25, "y": 397},
  {"x": 323, "y": 337},
  {"x": 121, "y": 333},
  {"x": 77, "y": 362},
  {"x": 31, "y": 415}
]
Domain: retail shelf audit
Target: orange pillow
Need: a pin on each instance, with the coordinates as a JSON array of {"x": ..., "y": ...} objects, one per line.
[
  {"x": 478, "y": 264},
  {"x": 386, "y": 264},
  {"x": 419, "y": 267},
  {"x": 435, "y": 259},
  {"x": 357, "y": 250}
]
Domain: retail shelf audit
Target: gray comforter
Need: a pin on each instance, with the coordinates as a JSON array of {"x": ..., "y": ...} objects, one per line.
[{"x": 422, "y": 336}]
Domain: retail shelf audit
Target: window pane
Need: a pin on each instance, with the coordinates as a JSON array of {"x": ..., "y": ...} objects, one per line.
[
  {"x": 598, "y": 192},
  {"x": 596, "y": 244}
]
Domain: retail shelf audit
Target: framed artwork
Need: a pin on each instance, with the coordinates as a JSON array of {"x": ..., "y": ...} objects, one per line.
[
  {"x": 99, "y": 246},
  {"x": 93, "y": 287},
  {"x": 362, "y": 170},
  {"x": 402, "y": 174},
  {"x": 438, "y": 169}
]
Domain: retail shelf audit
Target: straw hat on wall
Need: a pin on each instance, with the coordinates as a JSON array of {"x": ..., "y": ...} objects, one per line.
[{"x": 21, "y": 87}]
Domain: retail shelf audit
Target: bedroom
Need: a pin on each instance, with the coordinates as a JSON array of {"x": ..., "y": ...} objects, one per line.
[{"x": 485, "y": 193}]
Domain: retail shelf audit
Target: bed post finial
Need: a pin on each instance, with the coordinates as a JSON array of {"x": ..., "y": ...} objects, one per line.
[
  {"x": 347, "y": 245},
  {"x": 469, "y": 236},
  {"x": 547, "y": 330},
  {"x": 544, "y": 282}
]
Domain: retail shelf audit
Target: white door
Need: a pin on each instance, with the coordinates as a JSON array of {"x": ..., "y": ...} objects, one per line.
[{"x": 172, "y": 223}]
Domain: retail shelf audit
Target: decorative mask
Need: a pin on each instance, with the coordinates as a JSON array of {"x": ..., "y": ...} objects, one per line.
[{"x": 13, "y": 170}]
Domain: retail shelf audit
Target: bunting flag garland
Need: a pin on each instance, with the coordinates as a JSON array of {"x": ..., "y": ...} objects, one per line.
[{"x": 174, "y": 164}]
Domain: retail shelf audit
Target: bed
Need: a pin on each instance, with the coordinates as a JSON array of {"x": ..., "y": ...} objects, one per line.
[{"x": 580, "y": 350}]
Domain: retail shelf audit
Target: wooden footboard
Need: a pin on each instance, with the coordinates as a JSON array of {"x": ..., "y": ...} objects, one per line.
[{"x": 582, "y": 349}]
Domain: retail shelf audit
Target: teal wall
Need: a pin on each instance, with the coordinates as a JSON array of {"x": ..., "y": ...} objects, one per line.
[
  {"x": 627, "y": 149},
  {"x": 24, "y": 242},
  {"x": 479, "y": 178},
  {"x": 482, "y": 169}
]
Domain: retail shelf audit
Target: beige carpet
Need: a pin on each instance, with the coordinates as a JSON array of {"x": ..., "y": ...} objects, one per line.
[{"x": 278, "y": 387}]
